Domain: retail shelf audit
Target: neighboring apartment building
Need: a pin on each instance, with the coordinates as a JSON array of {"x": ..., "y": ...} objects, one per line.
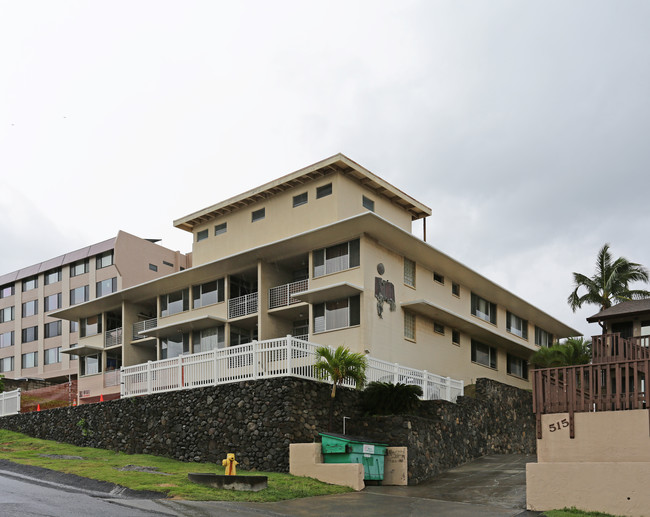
[
  {"x": 325, "y": 253},
  {"x": 31, "y": 341}
]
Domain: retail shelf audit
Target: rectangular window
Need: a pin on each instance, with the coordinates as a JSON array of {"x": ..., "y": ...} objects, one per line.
[
  {"x": 175, "y": 345},
  {"x": 52, "y": 355},
  {"x": 173, "y": 303},
  {"x": 336, "y": 258},
  {"x": 7, "y": 314},
  {"x": 74, "y": 326},
  {"x": 30, "y": 334},
  {"x": 7, "y": 339},
  {"x": 543, "y": 338},
  {"x": 53, "y": 329},
  {"x": 323, "y": 191},
  {"x": 455, "y": 289},
  {"x": 90, "y": 364},
  {"x": 484, "y": 354},
  {"x": 52, "y": 302},
  {"x": 257, "y": 215},
  {"x": 409, "y": 272},
  {"x": 30, "y": 283},
  {"x": 104, "y": 260},
  {"x": 517, "y": 367},
  {"x": 153, "y": 267},
  {"x": 455, "y": 337},
  {"x": 73, "y": 357},
  {"x": 79, "y": 268},
  {"x": 208, "y": 339},
  {"x": 300, "y": 199},
  {"x": 107, "y": 286},
  {"x": 52, "y": 277},
  {"x": 90, "y": 326},
  {"x": 208, "y": 293},
  {"x": 368, "y": 203},
  {"x": 79, "y": 295},
  {"x": 483, "y": 309},
  {"x": 337, "y": 314},
  {"x": 6, "y": 291},
  {"x": 221, "y": 228},
  {"x": 516, "y": 325},
  {"x": 437, "y": 277},
  {"x": 30, "y": 360},
  {"x": 202, "y": 235},
  {"x": 438, "y": 328},
  {"x": 409, "y": 325},
  {"x": 7, "y": 364},
  {"x": 168, "y": 263},
  {"x": 30, "y": 308}
]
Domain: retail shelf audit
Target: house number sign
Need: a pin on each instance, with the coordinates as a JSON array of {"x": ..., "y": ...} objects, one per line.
[{"x": 558, "y": 425}]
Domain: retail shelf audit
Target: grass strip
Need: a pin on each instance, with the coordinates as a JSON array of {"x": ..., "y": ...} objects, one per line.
[
  {"x": 169, "y": 478},
  {"x": 574, "y": 512}
]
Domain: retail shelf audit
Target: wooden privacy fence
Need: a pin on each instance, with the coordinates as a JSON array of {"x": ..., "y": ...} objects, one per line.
[
  {"x": 263, "y": 360},
  {"x": 616, "y": 381}
]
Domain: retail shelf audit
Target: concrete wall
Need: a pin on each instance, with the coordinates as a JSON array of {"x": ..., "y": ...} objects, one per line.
[{"x": 604, "y": 468}]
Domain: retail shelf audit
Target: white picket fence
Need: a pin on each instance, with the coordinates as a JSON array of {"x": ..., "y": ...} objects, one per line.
[
  {"x": 281, "y": 357},
  {"x": 10, "y": 402}
]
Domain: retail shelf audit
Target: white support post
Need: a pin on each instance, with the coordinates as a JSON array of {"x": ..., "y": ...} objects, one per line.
[
  {"x": 396, "y": 374},
  {"x": 181, "y": 383},
  {"x": 121, "y": 382},
  {"x": 149, "y": 379},
  {"x": 215, "y": 365},
  {"x": 448, "y": 394},
  {"x": 425, "y": 385},
  {"x": 254, "y": 350},
  {"x": 288, "y": 345}
]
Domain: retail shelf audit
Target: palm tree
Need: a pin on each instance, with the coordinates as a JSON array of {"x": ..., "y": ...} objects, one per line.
[
  {"x": 340, "y": 365},
  {"x": 385, "y": 398},
  {"x": 573, "y": 351},
  {"x": 610, "y": 284}
]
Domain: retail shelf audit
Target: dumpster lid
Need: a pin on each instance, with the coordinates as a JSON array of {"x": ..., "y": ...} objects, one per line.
[{"x": 351, "y": 438}]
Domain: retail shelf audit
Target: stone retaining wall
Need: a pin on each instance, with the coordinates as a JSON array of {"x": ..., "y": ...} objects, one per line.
[{"x": 257, "y": 420}]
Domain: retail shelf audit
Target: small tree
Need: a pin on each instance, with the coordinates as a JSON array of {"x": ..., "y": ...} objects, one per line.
[
  {"x": 340, "y": 365},
  {"x": 384, "y": 398},
  {"x": 573, "y": 351}
]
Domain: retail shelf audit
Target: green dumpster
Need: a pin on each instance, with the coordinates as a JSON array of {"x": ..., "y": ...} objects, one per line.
[{"x": 343, "y": 448}]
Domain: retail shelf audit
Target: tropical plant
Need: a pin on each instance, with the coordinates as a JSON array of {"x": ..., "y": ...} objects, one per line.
[
  {"x": 339, "y": 366},
  {"x": 573, "y": 351},
  {"x": 384, "y": 398},
  {"x": 610, "y": 284}
]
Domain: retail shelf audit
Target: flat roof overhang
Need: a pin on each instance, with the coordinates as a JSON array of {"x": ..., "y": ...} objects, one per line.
[
  {"x": 476, "y": 327},
  {"x": 190, "y": 324},
  {"x": 328, "y": 293},
  {"x": 83, "y": 350},
  {"x": 379, "y": 229}
]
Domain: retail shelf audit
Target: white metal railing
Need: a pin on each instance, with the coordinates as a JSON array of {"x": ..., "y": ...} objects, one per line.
[
  {"x": 10, "y": 402},
  {"x": 242, "y": 305},
  {"x": 280, "y": 357},
  {"x": 281, "y": 296},
  {"x": 141, "y": 326},
  {"x": 113, "y": 337},
  {"x": 112, "y": 378}
]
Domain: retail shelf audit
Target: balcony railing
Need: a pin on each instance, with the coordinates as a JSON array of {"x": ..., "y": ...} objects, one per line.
[
  {"x": 281, "y": 296},
  {"x": 112, "y": 378},
  {"x": 609, "y": 348},
  {"x": 141, "y": 326},
  {"x": 242, "y": 305},
  {"x": 113, "y": 337}
]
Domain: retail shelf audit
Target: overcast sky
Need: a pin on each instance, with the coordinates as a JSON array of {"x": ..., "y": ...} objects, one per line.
[{"x": 523, "y": 125}]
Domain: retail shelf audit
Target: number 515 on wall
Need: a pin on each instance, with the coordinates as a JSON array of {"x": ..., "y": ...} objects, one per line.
[{"x": 558, "y": 425}]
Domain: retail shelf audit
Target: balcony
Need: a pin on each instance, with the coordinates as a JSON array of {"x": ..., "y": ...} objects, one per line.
[
  {"x": 281, "y": 296},
  {"x": 112, "y": 378},
  {"x": 113, "y": 337},
  {"x": 242, "y": 305},
  {"x": 141, "y": 326}
]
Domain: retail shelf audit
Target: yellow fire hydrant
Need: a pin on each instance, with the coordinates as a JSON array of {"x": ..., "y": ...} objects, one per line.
[{"x": 230, "y": 464}]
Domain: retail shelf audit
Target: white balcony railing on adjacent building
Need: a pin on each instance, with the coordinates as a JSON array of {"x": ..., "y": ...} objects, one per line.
[
  {"x": 242, "y": 305},
  {"x": 112, "y": 378},
  {"x": 113, "y": 337},
  {"x": 10, "y": 402},
  {"x": 281, "y": 357},
  {"x": 281, "y": 296},
  {"x": 141, "y": 326}
]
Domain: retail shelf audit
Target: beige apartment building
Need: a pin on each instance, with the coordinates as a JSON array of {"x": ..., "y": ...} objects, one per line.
[
  {"x": 325, "y": 253},
  {"x": 31, "y": 340}
]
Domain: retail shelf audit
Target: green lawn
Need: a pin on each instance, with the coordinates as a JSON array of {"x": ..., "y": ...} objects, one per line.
[
  {"x": 103, "y": 465},
  {"x": 572, "y": 512}
]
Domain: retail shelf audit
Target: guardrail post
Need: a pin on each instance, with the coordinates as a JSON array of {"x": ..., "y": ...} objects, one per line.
[
  {"x": 448, "y": 394},
  {"x": 149, "y": 379},
  {"x": 288, "y": 345},
  {"x": 255, "y": 358},
  {"x": 425, "y": 385}
]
